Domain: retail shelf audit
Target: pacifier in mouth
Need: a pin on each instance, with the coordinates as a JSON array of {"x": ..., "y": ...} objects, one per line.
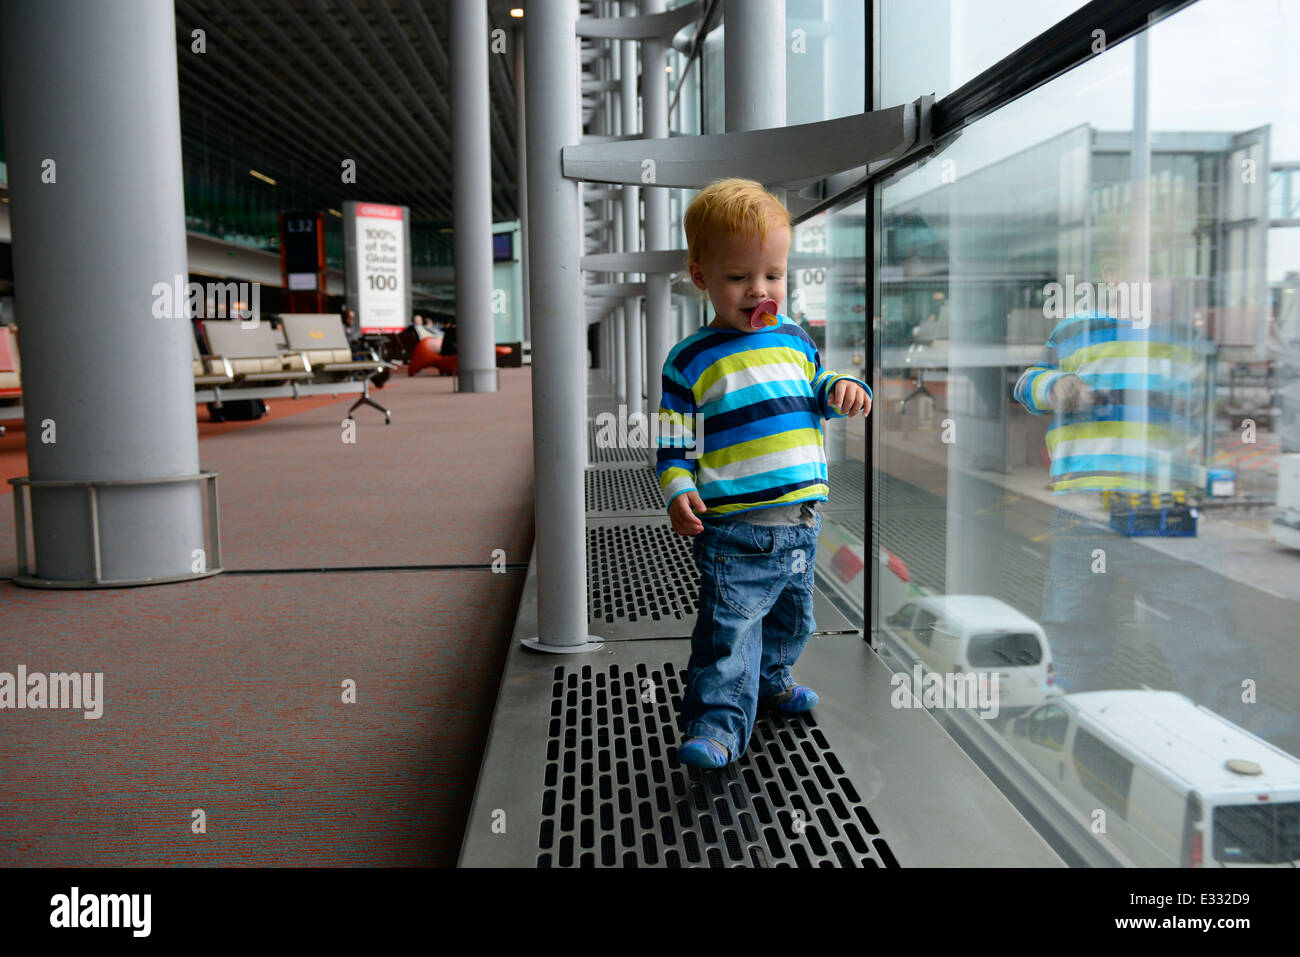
[{"x": 764, "y": 315}]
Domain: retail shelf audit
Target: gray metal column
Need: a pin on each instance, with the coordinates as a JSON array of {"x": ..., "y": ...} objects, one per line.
[
  {"x": 620, "y": 318},
  {"x": 620, "y": 354},
  {"x": 1139, "y": 262},
  {"x": 606, "y": 351},
  {"x": 690, "y": 108},
  {"x": 1139, "y": 170},
  {"x": 658, "y": 303},
  {"x": 560, "y": 327},
  {"x": 607, "y": 127},
  {"x": 755, "y": 96},
  {"x": 521, "y": 167},
  {"x": 755, "y": 85},
  {"x": 632, "y": 355},
  {"x": 754, "y": 64},
  {"x": 93, "y": 144},
  {"x": 611, "y": 321},
  {"x": 616, "y": 213},
  {"x": 472, "y": 197}
]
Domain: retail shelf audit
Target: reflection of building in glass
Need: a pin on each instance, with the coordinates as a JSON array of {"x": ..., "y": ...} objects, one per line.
[
  {"x": 827, "y": 282},
  {"x": 826, "y": 293},
  {"x": 970, "y": 262}
]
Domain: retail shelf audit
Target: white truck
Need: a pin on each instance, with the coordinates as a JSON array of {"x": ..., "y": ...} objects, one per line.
[{"x": 1167, "y": 782}]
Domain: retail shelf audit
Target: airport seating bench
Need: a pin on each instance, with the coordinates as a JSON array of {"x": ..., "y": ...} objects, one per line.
[
  {"x": 11, "y": 378},
  {"x": 244, "y": 363},
  {"x": 209, "y": 370},
  {"x": 251, "y": 353},
  {"x": 323, "y": 343},
  {"x": 317, "y": 361}
]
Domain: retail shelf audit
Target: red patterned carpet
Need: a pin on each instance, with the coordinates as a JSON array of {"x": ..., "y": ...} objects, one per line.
[{"x": 226, "y": 694}]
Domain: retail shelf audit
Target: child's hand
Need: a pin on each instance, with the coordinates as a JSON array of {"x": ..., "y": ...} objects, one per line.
[
  {"x": 1070, "y": 394},
  {"x": 850, "y": 398},
  {"x": 682, "y": 512}
]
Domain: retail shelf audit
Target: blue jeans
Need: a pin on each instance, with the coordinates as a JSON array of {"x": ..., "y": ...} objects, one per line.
[{"x": 756, "y": 617}]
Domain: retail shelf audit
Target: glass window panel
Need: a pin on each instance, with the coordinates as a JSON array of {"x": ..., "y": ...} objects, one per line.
[
  {"x": 1048, "y": 726},
  {"x": 827, "y": 279},
  {"x": 825, "y": 69},
  {"x": 1268, "y": 834},
  {"x": 1103, "y": 771},
  {"x": 1000, "y": 651},
  {"x": 934, "y": 46},
  {"x": 1088, "y": 411}
]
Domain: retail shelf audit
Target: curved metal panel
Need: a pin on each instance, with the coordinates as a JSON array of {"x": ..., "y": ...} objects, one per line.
[
  {"x": 659, "y": 26},
  {"x": 790, "y": 156}
]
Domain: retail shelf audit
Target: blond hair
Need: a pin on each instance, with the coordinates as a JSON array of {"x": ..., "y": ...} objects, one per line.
[{"x": 737, "y": 206}]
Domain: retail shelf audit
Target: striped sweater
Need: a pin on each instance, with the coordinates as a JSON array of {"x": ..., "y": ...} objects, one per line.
[
  {"x": 1142, "y": 432},
  {"x": 740, "y": 419}
]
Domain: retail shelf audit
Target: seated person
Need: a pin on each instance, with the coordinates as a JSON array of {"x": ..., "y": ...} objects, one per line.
[{"x": 421, "y": 330}]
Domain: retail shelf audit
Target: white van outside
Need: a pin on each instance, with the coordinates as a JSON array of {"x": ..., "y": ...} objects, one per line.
[
  {"x": 978, "y": 633},
  {"x": 1180, "y": 786}
]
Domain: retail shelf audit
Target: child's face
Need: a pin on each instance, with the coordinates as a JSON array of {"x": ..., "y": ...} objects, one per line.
[{"x": 738, "y": 273}]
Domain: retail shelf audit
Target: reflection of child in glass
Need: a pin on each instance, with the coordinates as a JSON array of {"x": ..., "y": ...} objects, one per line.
[
  {"x": 756, "y": 398},
  {"x": 1126, "y": 400}
]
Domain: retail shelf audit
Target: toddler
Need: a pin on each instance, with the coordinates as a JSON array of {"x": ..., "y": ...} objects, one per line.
[{"x": 751, "y": 402}]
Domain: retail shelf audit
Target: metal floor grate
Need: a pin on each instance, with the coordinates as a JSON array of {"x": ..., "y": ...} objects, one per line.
[
  {"x": 614, "y": 795},
  {"x": 613, "y": 456},
  {"x": 847, "y": 482},
  {"x": 639, "y": 572},
  {"x": 624, "y": 490}
]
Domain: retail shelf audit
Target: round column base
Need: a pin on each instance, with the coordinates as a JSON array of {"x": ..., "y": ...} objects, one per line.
[
  {"x": 32, "y": 581},
  {"x": 478, "y": 380},
  {"x": 593, "y": 643}
]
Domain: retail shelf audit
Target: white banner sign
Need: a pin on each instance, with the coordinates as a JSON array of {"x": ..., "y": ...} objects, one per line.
[{"x": 381, "y": 267}]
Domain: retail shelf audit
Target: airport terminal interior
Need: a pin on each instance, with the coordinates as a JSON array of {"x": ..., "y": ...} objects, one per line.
[{"x": 340, "y": 343}]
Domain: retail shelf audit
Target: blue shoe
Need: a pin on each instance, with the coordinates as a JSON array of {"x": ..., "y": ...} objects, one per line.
[
  {"x": 703, "y": 753},
  {"x": 795, "y": 701}
]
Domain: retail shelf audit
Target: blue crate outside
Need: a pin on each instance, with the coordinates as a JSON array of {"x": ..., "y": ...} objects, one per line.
[{"x": 1163, "y": 521}]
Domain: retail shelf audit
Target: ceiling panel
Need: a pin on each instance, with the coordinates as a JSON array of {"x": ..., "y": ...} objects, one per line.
[{"x": 295, "y": 87}]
